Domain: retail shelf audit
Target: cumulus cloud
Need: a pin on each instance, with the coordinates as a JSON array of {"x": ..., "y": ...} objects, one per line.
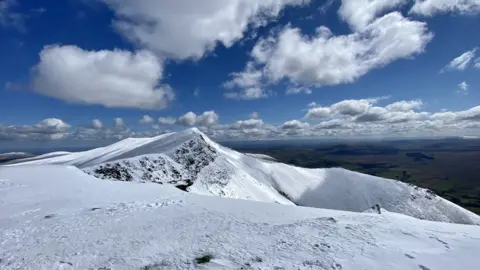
[
  {"x": 348, "y": 107},
  {"x": 472, "y": 114},
  {"x": 207, "y": 118},
  {"x": 52, "y": 124},
  {"x": 359, "y": 13},
  {"x": 400, "y": 118},
  {"x": 146, "y": 119},
  {"x": 405, "y": 106},
  {"x": 47, "y": 129},
  {"x": 432, "y": 7},
  {"x": 97, "y": 124},
  {"x": 188, "y": 119},
  {"x": 463, "y": 88},
  {"x": 183, "y": 29},
  {"x": 113, "y": 79},
  {"x": 365, "y": 110},
  {"x": 248, "y": 124},
  {"x": 330, "y": 124},
  {"x": 119, "y": 123},
  {"x": 167, "y": 120},
  {"x": 312, "y": 104},
  {"x": 318, "y": 113},
  {"x": 249, "y": 78},
  {"x": 352, "y": 107},
  {"x": 295, "y": 124},
  {"x": 327, "y": 59},
  {"x": 461, "y": 62},
  {"x": 254, "y": 115}
]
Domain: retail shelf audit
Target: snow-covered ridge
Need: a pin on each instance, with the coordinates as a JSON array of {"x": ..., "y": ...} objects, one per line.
[{"x": 191, "y": 161}]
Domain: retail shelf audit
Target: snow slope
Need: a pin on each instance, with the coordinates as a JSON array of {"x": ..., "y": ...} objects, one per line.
[
  {"x": 57, "y": 217},
  {"x": 191, "y": 161}
]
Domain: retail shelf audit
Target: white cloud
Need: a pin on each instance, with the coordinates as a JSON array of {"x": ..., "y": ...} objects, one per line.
[
  {"x": 404, "y": 106},
  {"x": 208, "y": 118},
  {"x": 326, "y": 59},
  {"x": 318, "y": 113},
  {"x": 394, "y": 119},
  {"x": 461, "y": 62},
  {"x": 119, "y": 123},
  {"x": 97, "y": 124},
  {"x": 364, "y": 110},
  {"x": 477, "y": 62},
  {"x": 246, "y": 94},
  {"x": 109, "y": 78},
  {"x": 432, "y": 7},
  {"x": 463, "y": 88},
  {"x": 167, "y": 120},
  {"x": 295, "y": 124},
  {"x": 246, "y": 79},
  {"x": 47, "y": 129},
  {"x": 53, "y": 124},
  {"x": 463, "y": 85},
  {"x": 348, "y": 107},
  {"x": 254, "y": 115},
  {"x": 248, "y": 124},
  {"x": 472, "y": 114},
  {"x": 146, "y": 119},
  {"x": 331, "y": 124},
  {"x": 184, "y": 29},
  {"x": 359, "y": 13},
  {"x": 187, "y": 119},
  {"x": 246, "y": 85},
  {"x": 299, "y": 90},
  {"x": 352, "y": 107}
]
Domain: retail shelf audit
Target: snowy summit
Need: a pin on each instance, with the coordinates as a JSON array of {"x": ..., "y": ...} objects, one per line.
[{"x": 124, "y": 206}]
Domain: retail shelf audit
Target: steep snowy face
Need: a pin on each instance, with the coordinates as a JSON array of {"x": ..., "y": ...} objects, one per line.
[
  {"x": 178, "y": 166},
  {"x": 189, "y": 160}
]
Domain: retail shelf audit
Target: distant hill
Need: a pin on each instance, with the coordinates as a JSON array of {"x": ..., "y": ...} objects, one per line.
[{"x": 8, "y": 157}]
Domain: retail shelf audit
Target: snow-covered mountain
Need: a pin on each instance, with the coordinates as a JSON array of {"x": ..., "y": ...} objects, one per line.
[
  {"x": 191, "y": 161},
  {"x": 58, "y": 217},
  {"x": 8, "y": 157}
]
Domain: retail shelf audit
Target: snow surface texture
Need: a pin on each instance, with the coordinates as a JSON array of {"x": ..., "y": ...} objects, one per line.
[
  {"x": 57, "y": 217},
  {"x": 191, "y": 161}
]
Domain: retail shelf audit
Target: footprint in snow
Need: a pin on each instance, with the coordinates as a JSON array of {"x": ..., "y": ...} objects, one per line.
[
  {"x": 441, "y": 241},
  {"x": 409, "y": 256},
  {"x": 63, "y": 265}
]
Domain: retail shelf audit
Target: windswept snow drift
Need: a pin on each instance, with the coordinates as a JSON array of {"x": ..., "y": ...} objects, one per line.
[
  {"x": 57, "y": 217},
  {"x": 191, "y": 161}
]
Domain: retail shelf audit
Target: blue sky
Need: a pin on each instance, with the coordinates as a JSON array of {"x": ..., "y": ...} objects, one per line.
[{"x": 69, "y": 68}]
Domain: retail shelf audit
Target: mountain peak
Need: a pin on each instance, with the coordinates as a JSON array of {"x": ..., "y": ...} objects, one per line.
[{"x": 193, "y": 130}]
